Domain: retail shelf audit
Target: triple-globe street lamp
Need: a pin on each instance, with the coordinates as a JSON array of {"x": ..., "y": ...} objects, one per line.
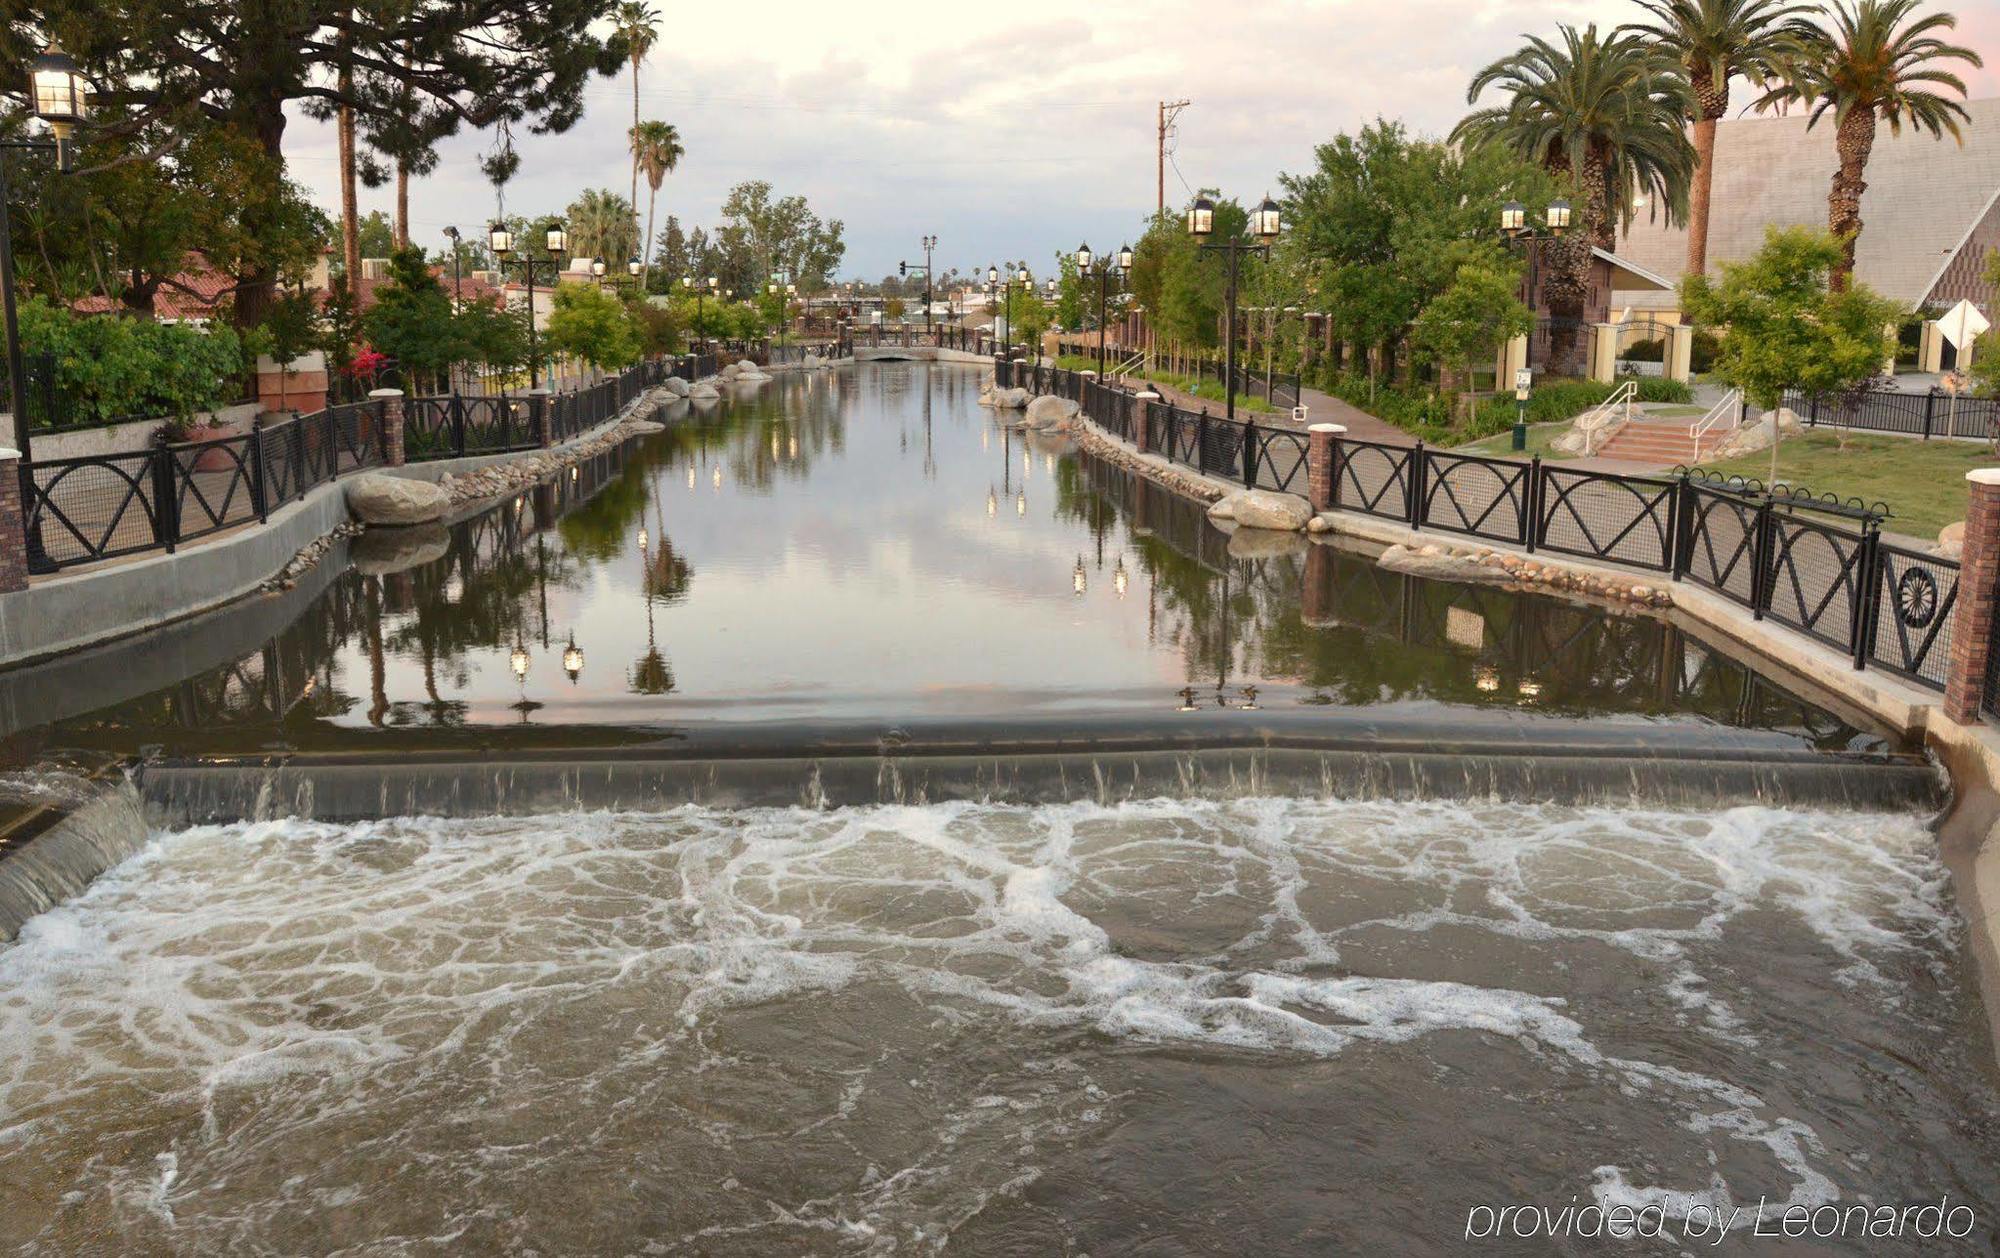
[
  {"x": 500, "y": 239},
  {"x": 1265, "y": 223}
]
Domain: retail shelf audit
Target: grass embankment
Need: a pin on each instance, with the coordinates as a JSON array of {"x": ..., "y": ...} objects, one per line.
[
  {"x": 1201, "y": 387},
  {"x": 1435, "y": 418},
  {"x": 1923, "y": 482}
]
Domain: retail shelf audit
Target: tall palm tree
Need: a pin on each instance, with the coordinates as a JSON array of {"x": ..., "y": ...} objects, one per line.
[
  {"x": 1864, "y": 70},
  {"x": 602, "y": 224},
  {"x": 1715, "y": 41},
  {"x": 1604, "y": 112},
  {"x": 639, "y": 23},
  {"x": 656, "y": 146}
]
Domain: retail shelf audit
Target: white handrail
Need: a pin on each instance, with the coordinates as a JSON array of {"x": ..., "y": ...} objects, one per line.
[
  {"x": 1621, "y": 399},
  {"x": 1731, "y": 407}
]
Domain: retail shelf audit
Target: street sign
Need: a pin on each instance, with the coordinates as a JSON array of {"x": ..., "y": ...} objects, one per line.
[
  {"x": 1962, "y": 325},
  {"x": 1524, "y": 380}
]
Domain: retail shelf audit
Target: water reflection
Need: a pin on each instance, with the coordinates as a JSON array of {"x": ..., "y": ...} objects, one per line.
[{"x": 836, "y": 548}]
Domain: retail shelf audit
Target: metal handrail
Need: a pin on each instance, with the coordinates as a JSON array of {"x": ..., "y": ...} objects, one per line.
[
  {"x": 1730, "y": 405},
  {"x": 1595, "y": 419}
]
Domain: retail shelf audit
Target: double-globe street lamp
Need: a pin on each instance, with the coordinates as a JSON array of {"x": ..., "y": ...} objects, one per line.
[
  {"x": 1085, "y": 261},
  {"x": 1515, "y": 229},
  {"x": 500, "y": 239},
  {"x": 1264, "y": 225},
  {"x": 785, "y": 291},
  {"x": 601, "y": 270},
  {"x": 1004, "y": 291}
]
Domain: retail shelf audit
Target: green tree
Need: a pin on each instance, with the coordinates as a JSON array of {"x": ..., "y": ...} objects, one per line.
[
  {"x": 590, "y": 324},
  {"x": 132, "y": 368},
  {"x": 761, "y": 235},
  {"x": 1470, "y": 317},
  {"x": 1787, "y": 327},
  {"x": 638, "y": 26},
  {"x": 411, "y": 321},
  {"x": 1716, "y": 41},
  {"x": 1604, "y": 111},
  {"x": 602, "y": 224},
  {"x": 291, "y": 329},
  {"x": 1069, "y": 303},
  {"x": 1880, "y": 62},
  {"x": 1986, "y": 351},
  {"x": 174, "y": 63},
  {"x": 491, "y": 334},
  {"x": 657, "y": 148}
]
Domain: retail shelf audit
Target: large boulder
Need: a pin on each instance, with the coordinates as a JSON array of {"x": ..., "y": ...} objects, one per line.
[
  {"x": 704, "y": 392},
  {"x": 730, "y": 371},
  {"x": 744, "y": 364},
  {"x": 1051, "y": 412},
  {"x": 811, "y": 362},
  {"x": 1010, "y": 399},
  {"x": 395, "y": 501},
  {"x": 752, "y": 376},
  {"x": 1434, "y": 562},
  {"x": 1264, "y": 509},
  {"x": 1750, "y": 438},
  {"x": 676, "y": 386},
  {"x": 1951, "y": 541},
  {"x": 380, "y": 552}
]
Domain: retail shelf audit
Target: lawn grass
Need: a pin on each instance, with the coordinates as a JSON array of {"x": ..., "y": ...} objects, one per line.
[
  {"x": 1201, "y": 387},
  {"x": 1923, "y": 482},
  {"x": 1539, "y": 437}
]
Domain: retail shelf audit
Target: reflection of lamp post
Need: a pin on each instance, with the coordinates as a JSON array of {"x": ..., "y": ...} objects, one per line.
[
  {"x": 1264, "y": 225},
  {"x": 572, "y": 658},
  {"x": 1118, "y": 578},
  {"x": 1078, "y": 579},
  {"x": 518, "y": 661},
  {"x": 501, "y": 241}
]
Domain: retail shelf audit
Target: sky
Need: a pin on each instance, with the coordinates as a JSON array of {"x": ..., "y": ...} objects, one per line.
[{"x": 1007, "y": 131}]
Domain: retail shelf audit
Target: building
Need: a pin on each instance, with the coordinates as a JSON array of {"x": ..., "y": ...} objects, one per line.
[{"x": 1930, "y": 214}]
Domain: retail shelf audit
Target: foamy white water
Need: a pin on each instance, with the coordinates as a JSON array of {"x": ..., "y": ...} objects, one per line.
[{"x": 1275, "y": 1024}]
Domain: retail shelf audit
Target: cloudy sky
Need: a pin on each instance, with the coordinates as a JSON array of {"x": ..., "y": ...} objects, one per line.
[{"x": 1009, "y": 130}]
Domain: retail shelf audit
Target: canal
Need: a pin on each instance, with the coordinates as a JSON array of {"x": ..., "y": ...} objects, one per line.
[{"x": 1160, "y": 1011}]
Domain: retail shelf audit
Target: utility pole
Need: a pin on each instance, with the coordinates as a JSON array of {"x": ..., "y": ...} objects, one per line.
[{"x": 1169, "y": 110}]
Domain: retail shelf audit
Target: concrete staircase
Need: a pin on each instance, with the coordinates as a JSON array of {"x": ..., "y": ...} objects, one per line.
[{"x": 1657, "y": 443}]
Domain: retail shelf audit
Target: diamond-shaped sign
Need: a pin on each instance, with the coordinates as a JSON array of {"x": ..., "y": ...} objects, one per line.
[{"x": 1962, "y": 325}]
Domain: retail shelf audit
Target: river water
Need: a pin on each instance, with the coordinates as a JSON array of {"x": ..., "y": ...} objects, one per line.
[{"x": 1163, "y": 1026}]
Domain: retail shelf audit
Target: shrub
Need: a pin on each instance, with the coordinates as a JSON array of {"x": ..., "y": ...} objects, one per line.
[
  {"x": 1648, "y": 351},
  {"x": 108, "y": 367}
]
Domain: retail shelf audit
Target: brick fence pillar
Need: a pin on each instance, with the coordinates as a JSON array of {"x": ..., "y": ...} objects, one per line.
[
  {"x": 13, "y": 525},
  {"x": 391, "y": 402},
  {"x": 1978, "y": 571},
  {"x": 1142, "y": 412},
  {"x": 1319, "y": 463},
  {"x": 538, "y": 417}
]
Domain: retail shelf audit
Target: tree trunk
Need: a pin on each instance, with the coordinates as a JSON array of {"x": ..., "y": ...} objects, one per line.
[
  {"x": 646, "y": 267},
  {"x": 402, "y": 232},
  {"x": 350, "y": 209},
  {"x": 256, "y": 283},
  {"x": 633, "y": 200},
  {"x": 1854, "y": 141},
  {"x": 1699, "y": 195}
]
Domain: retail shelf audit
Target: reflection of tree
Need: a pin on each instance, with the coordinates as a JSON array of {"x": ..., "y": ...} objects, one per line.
[{"x": 666, "y": 577}]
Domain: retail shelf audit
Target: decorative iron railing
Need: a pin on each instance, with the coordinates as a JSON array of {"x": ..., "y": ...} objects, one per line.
[
  {"x": 96, "y": 507},
  {"x": 1935, "y": 413},
  {"x": 1816, "y": 565}
]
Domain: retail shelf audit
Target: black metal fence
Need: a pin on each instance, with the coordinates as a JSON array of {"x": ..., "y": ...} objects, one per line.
[
  {"x": 1935, "y": 413},
  {"x": 1818, "y": 566},
  {"x": 96, "y": 507}
]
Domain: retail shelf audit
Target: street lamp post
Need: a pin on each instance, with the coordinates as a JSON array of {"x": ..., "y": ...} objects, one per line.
[
  {"x": 784, "y": 290},
  {"x": 904, "y": 268},
  {"x": 457, "y": 279},
  {"x": 59, "y": 96},
  {"x": 1264, "y": 225},
  {"x": 1104, "y": 267},
  {"x": 1514, "y": 228},
  {"x": 700, "y": 291},
  {"x": 556, "y": 243}
]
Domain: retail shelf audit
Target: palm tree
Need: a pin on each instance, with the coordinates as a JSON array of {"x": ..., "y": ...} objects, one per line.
[
  {"x": 656, "y": 146},
  {"x": 1605, "y": 112},
  {"x": 602, "y": 224},
  {"x": 1863, "y": 70},
  {"x": 639, "y": 23},
  {"x": 1714, "y": 41}
]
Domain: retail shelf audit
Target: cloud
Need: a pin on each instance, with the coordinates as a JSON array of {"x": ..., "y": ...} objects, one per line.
[{"x": 1007, "y": 131}]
